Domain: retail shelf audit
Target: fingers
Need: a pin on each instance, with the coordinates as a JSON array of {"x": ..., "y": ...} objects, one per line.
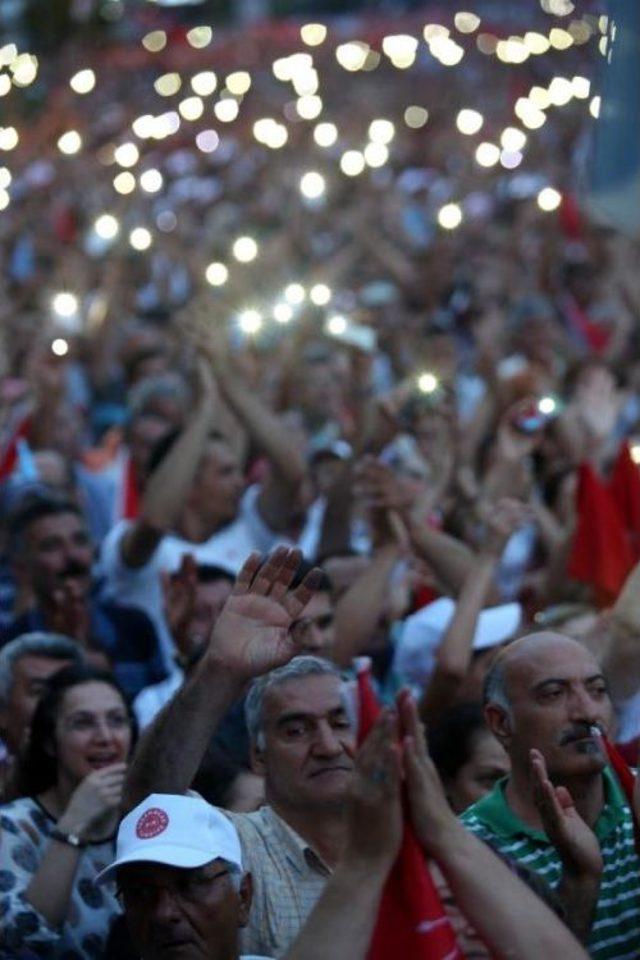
[
  {"x": 410, "y": 724},
  {"x": 379, "y": 759},
  {"x": 294, "y": 603},
  {"x": 248, "y": 571}
]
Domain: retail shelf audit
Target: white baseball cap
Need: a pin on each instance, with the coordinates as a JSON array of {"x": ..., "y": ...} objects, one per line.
[
  {"x": 176, "y": 831},
  {"x": 414, "y": 658}
]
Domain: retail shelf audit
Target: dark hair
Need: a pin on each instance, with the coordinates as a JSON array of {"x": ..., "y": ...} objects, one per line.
[
  {"x": 37, "y": 770},
  {"x": 217, "y": 775},
  {"x": 33, "y": 507},
  {"x": 164, "y": 445},
  {"x": 210, "y": 573},
  {"x": 324, "y": 584},
  {"x": 451, "y": 739}
]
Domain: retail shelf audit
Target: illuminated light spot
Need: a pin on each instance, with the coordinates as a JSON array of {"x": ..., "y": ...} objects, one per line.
[
  {"x": 539, "y": 97},
  {"x": 199, "y": 37},
  {"x": 226, "y": 110},
  {"x": 140, "y": 238},
  {"x": 9, "y": 139},
  {"x": 306, "y": 83},
  {"x": 635, "y": 453},
  {"x": 238, "y": 83},
  {"x": 5, "y": 84},
  {"x": 487, "y": 43},
  {"x": 510, "y": 159},
  {"x": 313, "y": 34},
  {"x": 427, "y": 383},
  {"x": 487, "y": 154},
  {"x": 469, "y": 121},
  {"x": 191, "y": 108},
  {"x": 107, "y": 226},
  {"x": 204, "y": 83},
  {"x": 24, "y": 69},
  {"x": 60, "y": 347},
  {"x": 558, "y": 8},
  {"x": 320, "y": 294},
  {"x": 376, "y": 155},
  {"x": 168, "y": 84},
  {"x": 207, "y": 141},
  {"x": 533, "y": 118},
  {"x": 294, "y": 293},
  {"x": 512, "y": 50},
  {"x": 127, "y": 155},
  {"x": 466, "y": 22},
  {"x": 166, "y": 221},
  {"x": 312, "y": 185},
  {"x": 416, "y": 117},
  {"x": 5, "y": 199},
  {"x": 560, "y": 39},
  {"x": 166, "y": 124},
  {"x": 309, "y": 107},
  {"x": 400, "y": 47},
  {"x": 278, "y": 137},
  {"x": 245, "y": 249},
  {"x": 381, "y": 131},
  {"x": 5, "y": 178},
  {"x": 513, "y": 139},
  {"x": 450, "y": 216},
  {"x": 65, "y": 304},
  {"x": 536, "y": 43},
  {"x": 594, "y": 107},
  {"x": 581, "y": 87},
  {"x": 433, "y": 31},
  {"x": 151, "y": 181},
  {"x": 83, "y": 81},
  {"x": 143, "y": 126},
  {"x": 250, "y": 322},
  {"x": 263, "y": 128},
  {"x": 547, "y": 406},
  {"x": 282, "y": 313},
  {"x": 216, "y": 274},
  {"x": 581, "y": 31},
  {"x": 155, "y": 41},
  {"x": 549, "y": 199},
  {"x": 371, "y": 61},
  {"x": 337, "y": 325},
  {"x": 325, "y": 134},
  {"x": 352, "y": 56},
  {"x": 70, "y": 142},
  {"x": 560, "y": 91},
  {"x": 8, "y": 54},
  {"x": 124, "y": 183},
  {"x": 352, "y": 163}
]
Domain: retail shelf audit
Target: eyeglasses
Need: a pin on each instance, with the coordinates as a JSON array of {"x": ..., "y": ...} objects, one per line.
[
  {"x": 301, "y": 628},
  {"x": 190, "y": 886},
  {"x": 89, "y": 723}
]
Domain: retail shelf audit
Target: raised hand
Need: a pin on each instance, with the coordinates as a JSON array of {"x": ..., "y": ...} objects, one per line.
[
  {"x": 576, "y": 844},
  {"x": 251, "y": 635},
  {"x": 431, "y": 814},
  {"x": 95, "y": 801},
  {"x": 502, "y": 519},
  {"x": 374, "y": 819}
]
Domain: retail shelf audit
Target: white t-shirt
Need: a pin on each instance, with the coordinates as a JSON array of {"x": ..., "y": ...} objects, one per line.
[
  {"x": 151, "y": 700},
  {"x": 140, "y": 587}
]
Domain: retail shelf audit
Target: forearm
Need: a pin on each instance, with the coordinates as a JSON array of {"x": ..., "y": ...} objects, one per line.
[
  {"x": 171, "y": 749},
  {"x": 342, "y": 922},
  {"x": 359, "y": 609},
  {"x": 579, "y": 896},
  {"x": 450, "y": 559},
  {"x": 511, "y": 919},
  {"x": 50, "y": 889}
]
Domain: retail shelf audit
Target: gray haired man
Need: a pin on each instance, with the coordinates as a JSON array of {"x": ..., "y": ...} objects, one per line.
[
  {"x": 302, "y": 741},
  {"x": 26, "y": 663}
]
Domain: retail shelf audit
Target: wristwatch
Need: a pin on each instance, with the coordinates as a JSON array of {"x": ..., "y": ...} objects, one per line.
[{"x": 71, "y": 839}]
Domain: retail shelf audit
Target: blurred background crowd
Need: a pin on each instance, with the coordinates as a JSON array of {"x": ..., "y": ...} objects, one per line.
[{"x": 333, "y": 281}]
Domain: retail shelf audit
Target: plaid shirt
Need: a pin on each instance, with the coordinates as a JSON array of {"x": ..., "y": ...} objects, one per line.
[{"x": 288, "y": 878}]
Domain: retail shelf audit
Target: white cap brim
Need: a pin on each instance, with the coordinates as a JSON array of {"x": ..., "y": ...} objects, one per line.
[{"x": 174, "y": 856}]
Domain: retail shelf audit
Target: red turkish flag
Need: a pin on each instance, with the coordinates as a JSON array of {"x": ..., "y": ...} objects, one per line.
[{"x": 412, "y": 923}]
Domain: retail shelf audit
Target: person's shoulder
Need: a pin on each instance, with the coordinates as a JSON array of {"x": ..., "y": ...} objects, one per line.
[{"x": 488, "y": 813}]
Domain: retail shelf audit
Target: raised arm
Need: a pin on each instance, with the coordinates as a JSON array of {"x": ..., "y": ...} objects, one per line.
[
  {"x": 511, "y": 919},
  {"x": 251, "y": 637},
  {"x": 169, "y": 483}
]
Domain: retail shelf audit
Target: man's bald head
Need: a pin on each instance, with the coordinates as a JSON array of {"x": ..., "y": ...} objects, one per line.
[{"x": 546, "y": 691}]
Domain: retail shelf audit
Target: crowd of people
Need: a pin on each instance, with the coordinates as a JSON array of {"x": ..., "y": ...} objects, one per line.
[{"x": 382, "y": 456}]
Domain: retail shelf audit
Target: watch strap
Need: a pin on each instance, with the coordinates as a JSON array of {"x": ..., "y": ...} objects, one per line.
[{"x": 71, "y": 839}]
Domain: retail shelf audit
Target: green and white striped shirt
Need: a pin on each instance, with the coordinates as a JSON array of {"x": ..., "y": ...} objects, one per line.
[{"x": 615, "y": 934}]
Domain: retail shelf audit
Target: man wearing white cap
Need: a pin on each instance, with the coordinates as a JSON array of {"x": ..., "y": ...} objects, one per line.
[{"x": 179, "y": 872}]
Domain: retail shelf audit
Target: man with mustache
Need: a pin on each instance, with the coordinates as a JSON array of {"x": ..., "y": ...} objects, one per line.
[
  {"x": 561, "y": 812},
  {"x": 53, "y": 554}
]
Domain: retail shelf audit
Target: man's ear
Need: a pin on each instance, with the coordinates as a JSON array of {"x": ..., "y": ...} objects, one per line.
[
  {"x": 246, "y": 896},
  {"x": 499, "y": 723},
  {"x": 256, "y": 757}
]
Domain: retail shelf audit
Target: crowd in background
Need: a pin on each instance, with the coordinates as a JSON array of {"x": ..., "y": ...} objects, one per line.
[{"x": 445, "y": 421}]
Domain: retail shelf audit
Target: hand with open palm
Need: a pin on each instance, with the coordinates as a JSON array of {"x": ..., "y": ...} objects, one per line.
[{"x": 251, "y": 635}]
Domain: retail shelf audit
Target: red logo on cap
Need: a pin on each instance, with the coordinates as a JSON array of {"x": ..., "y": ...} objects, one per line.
[{"x": 152, "y": 823}]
